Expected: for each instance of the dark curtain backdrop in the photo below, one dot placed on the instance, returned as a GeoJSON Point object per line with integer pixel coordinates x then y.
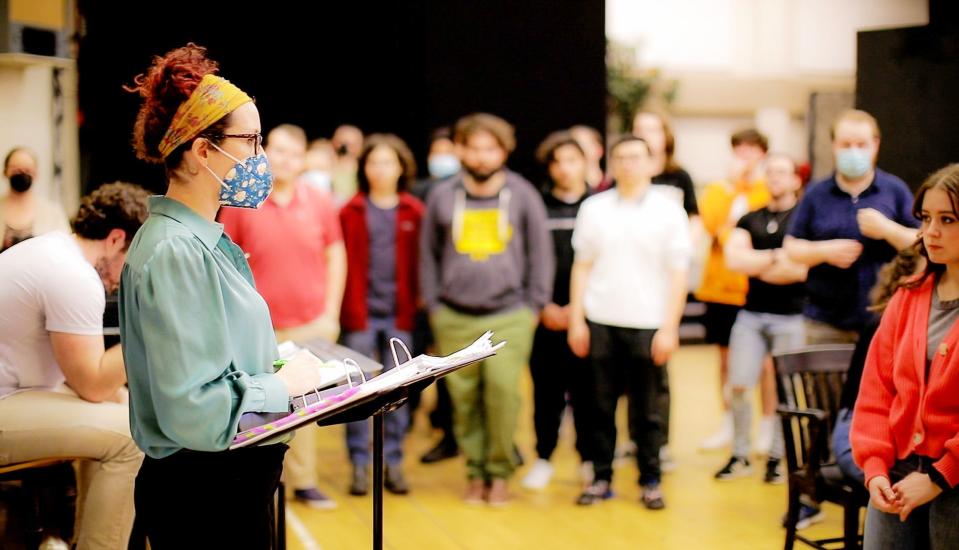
{"type": "Point", "coordinates": [402, 67]}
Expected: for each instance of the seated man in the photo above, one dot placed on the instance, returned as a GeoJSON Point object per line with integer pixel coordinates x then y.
{"type": "Point", "coordinates": [51, 332]}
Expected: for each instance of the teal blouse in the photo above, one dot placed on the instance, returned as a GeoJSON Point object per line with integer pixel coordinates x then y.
{"type": "Point", "coordinates": [197, 338]}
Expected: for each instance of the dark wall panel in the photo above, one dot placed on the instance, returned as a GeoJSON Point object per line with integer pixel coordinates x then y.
{"type": "Point", "coordinates": [908, 79]}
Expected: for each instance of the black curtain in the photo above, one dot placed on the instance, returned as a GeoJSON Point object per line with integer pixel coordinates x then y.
{"type": "Point", "coordinates": [403, 67]}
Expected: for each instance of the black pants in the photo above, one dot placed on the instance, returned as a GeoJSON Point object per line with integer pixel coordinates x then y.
{"type": "Point", "coordinates": [556, 371]}
{"type": "Point", "coordinates": [621, 361]}
{"type": "Point", "coordinates": [209, 500]}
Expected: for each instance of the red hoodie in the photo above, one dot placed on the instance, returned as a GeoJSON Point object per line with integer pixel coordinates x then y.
{"type": "Point", "coordinates": [900, 410]}
{"type": "Point", "coordinates": [353, 314]}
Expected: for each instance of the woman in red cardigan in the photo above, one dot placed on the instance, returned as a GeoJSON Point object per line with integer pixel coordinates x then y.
{"type": "Point", "coordinates": [381, 226]}
{"type": "Point", "coordinates": [905, 428]}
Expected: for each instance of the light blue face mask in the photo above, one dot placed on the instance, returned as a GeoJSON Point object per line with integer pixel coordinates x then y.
{"type": "Point", "coordinates": [247, 184]}
{"type": "Point", "coordinates": [854, 162]}
{"type": "Point", "coordinates": [443, 165]}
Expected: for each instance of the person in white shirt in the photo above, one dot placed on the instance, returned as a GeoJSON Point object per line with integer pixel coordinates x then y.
{"type": "Point", "coordinates": [61, 393]}
{"type": "Point", "coordinates": [628, 288]}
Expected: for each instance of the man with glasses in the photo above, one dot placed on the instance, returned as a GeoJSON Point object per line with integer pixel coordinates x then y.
{"type": "Point", "coordinates": [632, 237]}
{"type": "Point", "coordinates": [296, 252]}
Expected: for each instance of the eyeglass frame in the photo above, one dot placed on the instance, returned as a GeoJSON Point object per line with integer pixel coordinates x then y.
{"type": "Point", "coordinates": [257, 146]}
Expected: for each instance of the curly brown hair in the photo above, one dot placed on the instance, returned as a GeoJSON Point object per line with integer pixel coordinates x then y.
{"type": "Point", "coordinates": [112, 206]}
{"type": "Point", "coordinates": [165, 85]}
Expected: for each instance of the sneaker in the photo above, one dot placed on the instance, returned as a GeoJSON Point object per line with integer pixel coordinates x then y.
{"type": "Point", "coordinates": [53, 543]}
{"type": "Point", "coordinates": [475, 492]}
{"type": "Point", "coordinates": [652, 497]}
{"type": "Point", "coordinates": [498, 494]}
{"type": "Point", "coordinates": [446, 448]}
{"type": "Point", "coordinates": [313, 498]}
{"type": "Point", "coordinates": [586, 473]}
{"type": "Point", "coordinates": [808, 515]}
{"type": "Point", "coordinates": [736, 467]}
{"type": "Point", "coordinates": [539, 475]}
{"type": "Point", "coordinates": [595, 492]}
{"type": "Point", "coordinates": [395, 482]}
{"type": "Point", "coordinates": [774, 472]}
{"type": "Point", "coordinates": [722, 438]}
{"type": "Point", "coordinates": [666, 462]}
{"type": "Point", "coordinates": [764, 439]}
{"type": "Point", "coordinates": [360, 485]}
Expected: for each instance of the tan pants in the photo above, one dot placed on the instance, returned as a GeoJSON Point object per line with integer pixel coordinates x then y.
{"type": "Point", "coordinates": [299, 466]}
{"type": "Point", "coordinates": [44, 424]}
{"type": "Point", "coordinates": [818, 332]}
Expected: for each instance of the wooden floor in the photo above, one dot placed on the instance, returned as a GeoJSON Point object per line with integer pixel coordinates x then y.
{"type": "Point", "coordinates": [700, 512]}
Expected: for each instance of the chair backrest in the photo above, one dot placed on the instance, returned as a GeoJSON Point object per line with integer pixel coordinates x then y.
{"type": "Point", "coordinates": [810, 379]}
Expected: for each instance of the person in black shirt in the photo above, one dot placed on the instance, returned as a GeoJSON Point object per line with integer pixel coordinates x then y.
{"type": "Point", "coordinates": [554, 368]}
{"type": "Point", "coordinates": [654, 128]}
{"type": "Point", "coordinates": [772, 316]}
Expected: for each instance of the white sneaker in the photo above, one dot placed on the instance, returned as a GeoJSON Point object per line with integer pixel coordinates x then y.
{"type": "Point", "coordinates": [722, 438]}
{"type": "Point", "coordinates": [586, 473]}
{"type": "Point", "coordinates": [53, 543]}
{"type": "Point", "coordinates": [539, 475]}
{"type": "Point", "coordinates": [764, 439]}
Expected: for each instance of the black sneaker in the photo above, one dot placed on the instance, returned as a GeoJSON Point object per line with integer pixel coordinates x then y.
{"type": "Point", "coordinates": [774, 472]}
{"type": "Point", "coordinates": [446, 448]}
{"type": "Point", "coordinates": [653, 497]}
{"type": "Point", "coordinates": [595, 492]}
{"type": "Point", "coordinates": [736, 467]}
{"type": "Point", "coordinates": [395, 482]}
{"type": "Point", "coordinates": [361, 481]}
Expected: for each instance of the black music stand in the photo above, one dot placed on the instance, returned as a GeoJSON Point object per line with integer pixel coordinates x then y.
{"type": "Point", "coordinates": [377, 405]}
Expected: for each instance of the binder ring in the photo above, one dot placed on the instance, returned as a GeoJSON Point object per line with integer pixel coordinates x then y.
{"type": "Point", "coordinates": [351, 363]}
{"type": "Point", "coordinates": [396, 361]}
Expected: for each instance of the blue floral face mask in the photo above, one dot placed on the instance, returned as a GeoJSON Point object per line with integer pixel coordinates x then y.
{"type": "Point", "coordinates": [247, 184]}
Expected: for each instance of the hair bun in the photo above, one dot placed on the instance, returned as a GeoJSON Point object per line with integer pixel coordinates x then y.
{"type": "Point", "coordinates": [165, 85]}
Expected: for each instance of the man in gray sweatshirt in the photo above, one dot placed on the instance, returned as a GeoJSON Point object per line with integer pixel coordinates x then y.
{"type": "Point", "coordinates": [486, 263]}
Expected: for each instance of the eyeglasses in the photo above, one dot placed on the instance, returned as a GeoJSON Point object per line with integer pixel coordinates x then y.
{"type": "Point", "coordinates": [255, 139]}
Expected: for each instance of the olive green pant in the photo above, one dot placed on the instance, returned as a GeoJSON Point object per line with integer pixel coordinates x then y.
{"type": "Point", "coordinates": [486, 398]}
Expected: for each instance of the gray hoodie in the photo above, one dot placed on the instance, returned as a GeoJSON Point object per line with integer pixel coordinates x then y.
{"type": "Point", "coordinates": [478, 260]}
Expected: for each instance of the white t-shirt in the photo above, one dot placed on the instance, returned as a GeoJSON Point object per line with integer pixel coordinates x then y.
{"type": "Point", "coordinates": [634, 245]}
{"type": "Point", "coordinates": [45, 285]}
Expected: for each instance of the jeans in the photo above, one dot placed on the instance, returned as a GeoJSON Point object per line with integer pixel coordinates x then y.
{"type": "Point", "coordinates": [374, 342]}
{"type": "Point", "coordinates": [842, 448]}
{"type": "Point", "coordinates": [755, 336]}
{"type": "Point", "coordinates": [931, 526]}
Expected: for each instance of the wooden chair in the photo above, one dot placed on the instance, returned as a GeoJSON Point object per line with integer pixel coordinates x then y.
{"type": "Point", "coordinates": [809, 382]}
{"type": "Point", "coordinates": [33, 475]}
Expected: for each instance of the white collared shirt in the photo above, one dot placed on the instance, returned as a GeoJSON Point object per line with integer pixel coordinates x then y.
{"type": "Point", "coordinates": [635, 245]}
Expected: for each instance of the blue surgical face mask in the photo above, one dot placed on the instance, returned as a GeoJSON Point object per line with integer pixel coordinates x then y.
{"type": "Point", "coordinates": [443, 165]}
{"type": "Point", "coordinates": [854, 162]}
{"type": "Point", "coordinates": [247, 184]}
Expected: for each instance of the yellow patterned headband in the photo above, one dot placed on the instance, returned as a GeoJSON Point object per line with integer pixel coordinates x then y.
{"type": "Point", "coordinates": [213, 99]}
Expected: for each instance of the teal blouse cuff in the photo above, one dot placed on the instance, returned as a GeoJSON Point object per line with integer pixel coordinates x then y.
{"type": "Point", "coordinates": [268, 394]}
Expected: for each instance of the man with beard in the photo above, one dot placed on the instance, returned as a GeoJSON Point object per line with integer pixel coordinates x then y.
{"type": "Point", "coordinates": [486, 263]}
{"type": "Point", "coordinates": [61, 393]}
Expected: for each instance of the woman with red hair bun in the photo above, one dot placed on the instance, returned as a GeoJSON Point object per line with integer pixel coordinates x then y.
{"type": "Point", "coordinates": [198, 342]}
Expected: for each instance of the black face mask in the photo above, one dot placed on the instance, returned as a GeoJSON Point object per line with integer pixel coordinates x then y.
{"type": "Point", "coordinates": [21, 182]}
